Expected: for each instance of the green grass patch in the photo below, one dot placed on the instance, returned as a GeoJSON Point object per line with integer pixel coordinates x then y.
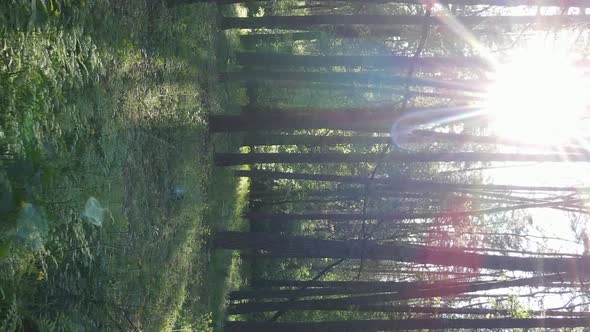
{"type": "Point", "coordinates": [106, 101]}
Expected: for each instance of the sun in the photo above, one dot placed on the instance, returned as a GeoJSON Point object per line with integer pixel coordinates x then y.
{"type": "Point", "coordinates": [539, 96]}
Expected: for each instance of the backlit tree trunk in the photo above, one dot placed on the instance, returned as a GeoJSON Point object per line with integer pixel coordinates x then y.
{"type": "Point", "coordinates": [310, 21]}
{"type": "Point", "coordinates": [394, 216]}
{"type": "Point", "coordinates": [400, 184]}
{"type": "Point", "coordinates": [370, 61]}
{"type": "Point", "coordinates": [274, 245]}
{"type": "Point", "coordinates": [232, 159]}
{"type": "Point", "coordinates": [278, 37]}
{"type": "Point", "coordinates": [406, 324]}
{"type": "Point", "coordinates": [352, 78]}
{"type": "Point", "coordinates": [374, 118]}
{"type": "Point", "coordinates": [506, 3]}
{"type": "Point", "coordinates": [411, 289]}
{"type": "Point", "coordinates": [313, 140]}
{"type": "Point", "coordinates": [349, 303]}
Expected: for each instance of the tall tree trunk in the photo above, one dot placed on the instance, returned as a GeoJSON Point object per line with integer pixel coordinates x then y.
{"type": "Point", "coordinates": [282, 119]}
{"type": "Point", "coordinates": [310, 21]}
{"type": "Point", "coordinates": [257, 283]}
{"type": "Point", "coordinates": [401, 184]}
{"type": "Point", "coordinates": [417, 136]}
{"type": "Point", "coordinates": [313, 140]}
{"type": "Point", "coordinates": [352, 78]}
{"type": "Point", "coordinates": [460, 311]}
{"type": "Point", "coordinates": [309, 201]}
{"type": "Point", "coordinates": [348, 88]}
{"type": "Point", "coordinates": [350, 303]}
{"type": "Point", "coordinates": [274, 245]}
{"type": "Point", "coordinates": [503, 3]}
{"type": "Point", "coordinates": [253, 39]}
{"type": "Point", "coordinates": [364, 32]}
{"type": "Point", "coordinates": [346, 288]}
{"type": "Point", "coordinates": [396, 216]}
{"type": "Point", "coordinates": [353, 193]}
{"type": "Point", "coordinates": [233, 159]}
{"type": "Point", "coordinates": [376, 118]}
{"type": "Point", "coordinates": [407, 324]}
{"type": "Point", "coordinates": [371, 61]}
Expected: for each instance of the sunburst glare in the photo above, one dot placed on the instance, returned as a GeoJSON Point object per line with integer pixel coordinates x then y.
{"type": "Point", "coordinates": [540, 95]}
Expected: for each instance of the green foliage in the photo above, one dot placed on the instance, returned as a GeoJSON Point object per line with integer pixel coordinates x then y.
{"type": "Point", "coordinates": [204, 323]}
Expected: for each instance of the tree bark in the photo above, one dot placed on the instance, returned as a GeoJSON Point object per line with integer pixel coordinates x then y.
{"type": "Point", "coordinates": [500, 3]}
{"type": "Point", "coordinates": [367, 33]}
{"type": "Point", "coordinates": [345, 288]}
{"type": "Point", "coordinates": [351, 89]}
{"type": "Point", "coordinates": [253, 39]}
{"type": "Point", "coordinates": [351, 193]}
{"type": "Point", "coordinates": [406, 324]}
{"type": "Point", "coordinates": [416, 136]}
{"type": "Point", "coordinates": [313, 140]}
{"type": "Point", "coordinates": [460, 311]}
{"type": "Point", "coordinates": [397, 216]}
{"type": "Point", "coordinates": [349, 303]}
{"type": "Point", "coordinates": [234, 159]}
{"type": "Point", "coordinates": [274, 245]}
{"type": "Point", "coordinates": [374, 118]}
{"type": "Point", "coordinates": [352, 78]}
{"type": "Point", "coordinates": [310, 21]}
{"type": "Point", "coordinates": [399, 184]}
{"type": "Point", "coordinates": [284, 119]}
{"type": "Point", "coordinates": [370, 61]}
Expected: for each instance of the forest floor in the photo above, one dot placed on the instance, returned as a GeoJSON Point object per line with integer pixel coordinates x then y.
{"type": "Point", "coordinates": [107, 189]}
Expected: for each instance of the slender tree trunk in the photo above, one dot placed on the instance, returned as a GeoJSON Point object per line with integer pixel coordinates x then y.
{"type": "Point", "coordinates": [310, 21]}
{"type": "Point", "coordinates": [310, 6]}
{"type": "Point", "coordinates": [309, 201]}
{"type": "Point", "coordinates": [331, 283]}
{"type": "Point", "coordinates": [313, 140]}
{"type": "Point", "coordinates": [343, 32]}
{"type": "Point", "coordinates": [504, 3]}
{"type": "Point", "coordinates": [249, 41]}
{"type": "Point", "coordinates": [352, 78]}
{"type": "Point", "coordinates": [397, 216]}
{"type": "Point", "coordinates": [346, 288]}
{"type": "Point", "coordinates": [274, 245]}
{"type": "Point", "coordinates": [349, 303]}
{"type": "Point", "coordinates": [379, 118]}
{"type": "Point", "coordinates": [364, 32]}
{"type": "Point", "coordinates": [460, 311]}
{"type": "Point", "coordinates": [417, 136]}
{"type": "Point", "coordinates": [371, 61]}
{"type": "Point", "coordinates": [400, 184]}
{"type": "Point", "coordinates": [368, 120]}
{"type": "Point", "coordinates": [348, 89]}
{"type": "Point", "coordinates": [353, 193]}
{"type": "Point", "coordinates": [403, 198]}
{"type": "Point", "coordinates": [233, 159]}
{"type": "Point", "coordinates": [407, 324]}
{"type": "Point", "coordinates": [283, 119]}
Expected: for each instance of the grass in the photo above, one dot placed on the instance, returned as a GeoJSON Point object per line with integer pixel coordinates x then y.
{"type": "Point", "coordinates": [108, 99]}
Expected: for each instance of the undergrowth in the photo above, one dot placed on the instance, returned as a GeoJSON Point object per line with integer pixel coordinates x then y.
{"type": "Point", "coordinates": [105, 171]}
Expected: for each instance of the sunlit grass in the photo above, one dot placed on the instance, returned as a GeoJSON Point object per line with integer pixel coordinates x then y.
{"type": "Point", "coordinates": [117, 114]}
